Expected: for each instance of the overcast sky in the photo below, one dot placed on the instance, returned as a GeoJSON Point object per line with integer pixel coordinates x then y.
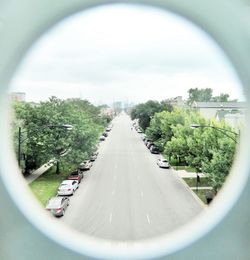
{"type": "Point", "coordinates": [122, 52]}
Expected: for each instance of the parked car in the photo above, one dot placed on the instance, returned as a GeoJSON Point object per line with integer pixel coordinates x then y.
{"type": "Point", "coordinates": [139, 131]}
{"type": "Point", "coordinates": [57, 205]}
{"type": "Point", "coordinates": [105, 134]}
{"type": "Point", "coordinates": [108, 129]}
{"type": "Point", "coordinates": [102, 138]}
{"type": "Point", "coordinates": [147, 140]}
{"type": "Point", "coordinates": [163, 163]}
{"type": "Point", "coordinates": [76, 175]}
{"type": "Point", "coordinates": [149, 144]}
{"type": "Point", "coordinates": [67, 187]}
{"type": "Point", "coordinates": [86, 165]}
{"type": "Point", "coordinates": [154, 149]}
{"type": "Point", "coordinates": [93, 156]}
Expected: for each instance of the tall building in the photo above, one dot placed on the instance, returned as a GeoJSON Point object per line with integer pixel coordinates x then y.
{"type": "Point", "coordinates": [17, 96]}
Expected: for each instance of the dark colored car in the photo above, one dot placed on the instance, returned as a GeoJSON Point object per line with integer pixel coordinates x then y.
{"type": "Point", "coordinates": [154, 149]}
{"type": "Point", "coordinates": [105, 134]}
{"type": "Point", "coordinates": [58, 205]}
{"type": "Point", "coordinates": [147, 140]}
{"type": "Point", "coordinates": [76, 175]}
{"type": "Point", "coordinates": [149, 144]}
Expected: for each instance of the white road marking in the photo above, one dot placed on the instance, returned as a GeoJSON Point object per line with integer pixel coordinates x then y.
{"type": "Point", "coordinates": [110, 217]}
{"type": "Point", "coordinates": [148, 219]}
{"type": "Point", "coordinates": [116, 166]}
{"type": "Point", "coordinates": [142, 194]}
{"type": "Point", "coordinates": [113, 193]}
{"type": "Point", "coordinates": [114, 177]}
{"type": "Point", "coordinates": [138, 178]}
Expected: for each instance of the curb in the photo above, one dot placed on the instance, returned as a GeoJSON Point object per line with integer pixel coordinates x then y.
{"type": "Point", "coordinates": [192, 192]}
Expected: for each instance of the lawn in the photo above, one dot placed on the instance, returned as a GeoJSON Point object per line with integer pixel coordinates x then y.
{"type": "Point", "coordinates": [46, 185]}
{"type": "Point", "coordinates": [191, 182]}
{"type": "Point", "coordinates": [202, 195]}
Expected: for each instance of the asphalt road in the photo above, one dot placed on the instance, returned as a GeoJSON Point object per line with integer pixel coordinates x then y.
{"type": "Point", "coordinates": [125, 195]}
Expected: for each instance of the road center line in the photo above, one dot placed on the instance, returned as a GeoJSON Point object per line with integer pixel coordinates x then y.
{"type": "Point", "coordinates": [148, 219]}
{"type": "Point", "coordinates": [110, 217]}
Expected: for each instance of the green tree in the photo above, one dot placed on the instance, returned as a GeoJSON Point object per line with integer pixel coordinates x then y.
{"type": "Point", "coordinates": [145, 111]}
{"type": "Point", "coordinates": [160, 129]}
{"type": "Point", "coordinates": [199, 95]}
{"type": "Point", "coordinates": [205, 149]}
{"type": "Point", "coordinates": [43, 139]}
{"type": "Point", "coordinates": [221, 98]}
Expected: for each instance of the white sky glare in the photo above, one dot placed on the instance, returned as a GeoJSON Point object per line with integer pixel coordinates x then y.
{"type": "Point", "coordinates": [122, 52]}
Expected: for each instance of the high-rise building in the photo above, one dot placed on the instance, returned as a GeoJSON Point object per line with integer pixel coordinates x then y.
{"type": "Point", "coordinates": [18, 96]}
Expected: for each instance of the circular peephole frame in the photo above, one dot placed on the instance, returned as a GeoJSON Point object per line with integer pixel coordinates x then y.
{"type": "Point", "coordinates": [215, 18]}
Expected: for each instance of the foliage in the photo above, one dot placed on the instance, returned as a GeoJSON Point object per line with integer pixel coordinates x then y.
{"type": "Point", "coordinates": [43, 134]}
{"type": "Point", "coordinates": [199, 95]}
{"type": "Point", "coordinates": [145, 111]}
{"type": "Point", "coordinates": [206, 95]}
{"type": "Point", "coordinates": [47, 184]}
{"type": "Point", "coordinates": [206, 149]}
{"type": "Point", "coordinates": [219, 166]}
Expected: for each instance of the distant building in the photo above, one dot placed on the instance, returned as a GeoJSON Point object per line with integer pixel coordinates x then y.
{"type": "Point", "coordinates": [18, 96]}
{"type": "Point", "coordinates": [235, 120]}
{"type": "Point", "coordinates": [107, 111]}
{"type": "Point", "coordinates": [177, 101]}
{"type": "Point", "coordinates": [232, 112]}
{"type": "Point", "coordinates": [219, 109]}
{"type": "Point", "coordinates": [117, 107]}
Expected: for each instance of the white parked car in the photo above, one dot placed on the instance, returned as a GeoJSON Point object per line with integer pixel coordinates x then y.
{"type": "Point", "coordinates": [102, 138]}
{"type": "Point", "coordinates": [67, 187]}
{"type": "Point", "coordinates": [163, 163]}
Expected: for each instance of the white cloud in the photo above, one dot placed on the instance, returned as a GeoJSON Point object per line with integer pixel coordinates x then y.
{"type": "Point", "coordinates": [121, 52]}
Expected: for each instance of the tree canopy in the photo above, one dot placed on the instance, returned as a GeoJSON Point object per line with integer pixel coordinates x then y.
{"type": "Point", "coordinates": [145, 111]}
{"type": "Point", "coordinates": [43, 134]}
{"type": "Point", "coordinates": [206, 95]}
{"type": "Point", "coordinates": [208, 149]}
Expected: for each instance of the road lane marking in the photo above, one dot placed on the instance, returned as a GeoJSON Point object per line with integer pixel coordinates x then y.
{"type": "Point", "coordinates": [114, 177]}
{"type": "Point", "coordinates": [116, 166]}
{"type": "Point", "coordinates": [148, 219]}
{"type": "Point", "coordinates": [110, 217]}
{"type": "Point", "coordinates": [113, 193]}
{"type": "Point", "coordinates": [142, 194]}
{"type": "Point", "coordinates": [138, 178]}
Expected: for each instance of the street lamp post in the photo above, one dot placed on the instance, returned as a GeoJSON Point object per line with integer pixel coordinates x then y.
{"type": "Point", "coordinates": [20, 132]}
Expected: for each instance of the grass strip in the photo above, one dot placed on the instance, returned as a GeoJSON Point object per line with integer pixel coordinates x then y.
{"type": "Point", "coordinates": [191, 182]}
{"type": "Point", "coordinates": [47, 184]}
{"type": "Point", "coordinates": [202, 195]}
{"type": "Point", "coordinates": [186, 168]}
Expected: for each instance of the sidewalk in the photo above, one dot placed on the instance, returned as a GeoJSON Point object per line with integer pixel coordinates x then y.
{"type": "Point", "coordinates": [38, 172]}
{"type": "Point", "coordinates": [185, 174]}
{"type": "Point", "coordinates": [201, 188]}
